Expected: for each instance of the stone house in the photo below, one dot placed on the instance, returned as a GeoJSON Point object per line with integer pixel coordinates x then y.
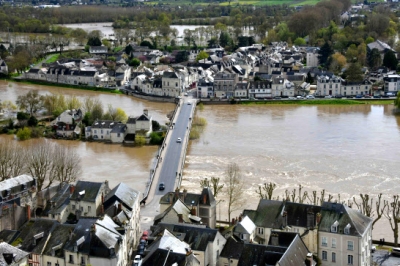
{"type": "Point", "coordinates": [345, 236]}
{"type": "Point", "coordinates": [172, 84]}
{"type": "Point", "coordinates": [100, 130]}
{"type": "Point", "coordinates": [312, 56]}
{"type": "Point", "coordinates": [3, 67]}
{"type": "Point", "coordinates": [355, 88]}
{"type": "Point", "coordinates": [245, 230]}
{"type": "Point", "coordinates": [205, 243]}
{"type": "Point", "coordinates": [205, 88]}
{"type": "Point", "coordinates": [260, 89]}
{"type": "Point", "coordinates": [282, 87]}
{"type": "Point", "coordinates": [224, 84]}
{"type": "Point", "coordinates": [178, 212]}
{"type": "Point", "coordinates": [203, 203]}
{"type": "Point", "coordinates": [98, 50]}
{"type": "Point", "coordinates": [22, 187]}
{"type": "Point", "coordinates": [391, 83]}
{"type": "Point", "coordinates": [122, 205]}
{"type": "Point", "coordinates": [67, 124]}
{"type": "Point", "coordinates": [118, 132]}
{"type": "Point", "coordinates": [241, 90]}
{"type": "Point", "coordinates": [57, 206]}
{"type": "Point", "coordinates": [87, 198]}
{"type": "Point", "coordinates": [96, 242]}
{"type": "Point", "coordinates": [328, 84]}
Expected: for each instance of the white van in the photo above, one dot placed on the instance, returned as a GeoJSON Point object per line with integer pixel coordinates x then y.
{"type": "Point", "coordinates": [390, 94]}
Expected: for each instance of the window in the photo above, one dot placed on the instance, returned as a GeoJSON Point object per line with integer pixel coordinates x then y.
{"type": "Point", "coordinates": [57, 264]}
{"type": "Point", "coordinates": [30, 256]}
{"type": "Point", "coordinates": [324, 255]}
{"type": "Point", "coordinates": [81, 209]}
{"type": "Point", "coordinates": [324, 241]}
{"type": "Point", "coordinates": [48, 263]}
{"type": "Point", "coordinates": [89, 208]}
{"type": "Point", "coordinates": [71, 259]}
{"type": "Point", "coordinates": [73, 207]}
{"type": "Point", "coordinates": [83, 260]}
{"type": "Point", "coordinates": [217, 242]}
{"type": "Point", "coordinates": [350, 245]}
{"type": "Point", "coordinates": [261, 230]}
{"type": "Point", "coordinates": [347, 229]}
{"type": "Point", "coordinates": [333, 257]}
{"type": "Point", "coordinates": [101, 131]}
{"type": "Point", "coordinates": [217, 254]}
{"type": "Point", "coordinates": [350, 259]}
{"type": "Point", "coordinates": [334, 242]}
{"type": "Point", "coordinates": [95, 131]}
{"type": "Point", "coordinates": [334, 227]}
{"type": "Point", "coordinates": [118, 135]}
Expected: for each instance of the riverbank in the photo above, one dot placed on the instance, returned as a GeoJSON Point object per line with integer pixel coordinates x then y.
{"type": "Point", "coordinates": [302, 102]}
{"type": "Point", "coordinates": [51, 84]}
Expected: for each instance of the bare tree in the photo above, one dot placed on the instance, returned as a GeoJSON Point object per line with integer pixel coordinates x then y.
{"type": "Point", "coordinates": [392, 214]}
{"type": "Point", "coordinates": [39, 164]}
{"type": "Point", "coordinates": [234, 188]}
{"type": "Point", "coordinates": [214, 184]}
{"type": "Point", "coordinates": [31, 102]}
{"type": "Point", "coordinates": [266, 191]}
{"type": "Point", "coordinates": [66, 164]}
{"type": "Point", "coordinates": [366, 207]}
{"type": "Point", "coordinates": [12, 160]}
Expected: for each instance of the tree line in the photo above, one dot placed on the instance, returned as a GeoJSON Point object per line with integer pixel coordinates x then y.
{"type": "Point", "coordinates": [47, 162]}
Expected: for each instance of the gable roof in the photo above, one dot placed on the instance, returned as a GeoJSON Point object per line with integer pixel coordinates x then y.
{"type": "Point", "coordinates": [58, 239]}
{"type": "Point", "coordinates": [8, 236]}
{"type": "Point", "coordinates": [86, 191]}
{"type": "Point", "coordinates": [34, 234]}
{"type": "Point", "coordinates": [17, 254]}
{"type": "Point", "coordinates": [332, 212]}
{"type": "Point", "coordinates": [232, 249]}
{"type": "Point", "coordinates": [122, 193]}
{"type": "Point", "coordinates": [245, 226]}
{"type": "Point", "coordinates": [15, 181]}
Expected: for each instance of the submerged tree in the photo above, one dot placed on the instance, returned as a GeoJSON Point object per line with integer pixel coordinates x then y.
{"type": "Point", "coordinates": [234, 188]}
{"type": "Point", "coordinates": [392, 214]}
{"type": "Point", "coordinates": [366, 207]}
{"type": "Point", "coordinates": [266, 191]}
{"type": "Point", "coordinates": [213, 184]}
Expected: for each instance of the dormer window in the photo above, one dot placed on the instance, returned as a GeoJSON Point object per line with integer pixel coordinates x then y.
{"type": "Point", "coordinates": [347, 229]}
{"type": "Point", "coordinates": [334, 227]}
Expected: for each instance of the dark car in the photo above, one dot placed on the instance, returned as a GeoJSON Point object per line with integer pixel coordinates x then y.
{"type": "Point", "coordinates": [339, 96]}
{"type": "Point", "coordinates": [377, 96]}
{"type": "Point", "coordinates": [277, 97]}
{"type": "Point", "coordinates": [140, 250]}
{"type": "Point", "coordinates": [358, 96]}
{"type": "Point", "coordinates": [161, 186]}
{"type": "Point", "coordinates": [367, 96]}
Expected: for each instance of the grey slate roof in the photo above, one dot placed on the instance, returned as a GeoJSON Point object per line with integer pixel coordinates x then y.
{"type": "Point", "coordinates": [169, 75]}
{"type": "Point", "coordinates": [92, 189]}
{"type": "Point", "coordinates": [82, 229]}
{"type": "Point", "coordinates": [197, 237]}
{"type": "Point", "coordinates": [17, 253]}
{"type": "Point", "coordinates": [332, 212]}
{"type": "Point", "coordinates": [34, 234]}
{"type": "Point", "coordinates": [232, 249]}
{"type": "Point", "coordinates": [161, 257]}
{"type": "Point", "coordinates": [58, 239]}
{"type": "Point", "coordinates": [8, 236]}
{"type": "Point", "coordinates": [60, 199]}
{"type": "Point", "coordinates": [122, 193]}
{"type": "Point", "coordinates": [103, 124]}
{"type": "Point", "coordinates": [118, 128]}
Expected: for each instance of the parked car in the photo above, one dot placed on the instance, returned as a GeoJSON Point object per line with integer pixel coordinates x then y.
{"type": "Point", "coordinates": [377, 96]}
{"type": "Point", "coordinates": [395, 252]}
{"type": "Point", "coordinates": [367, 96]}
{"type": "Point", "coordinates": [140, 250]}
{"type": "Point", "coordinates": [189, 103]}
{"type": "Point", "coordinates": [145, 234]}
{"type": "Point", "coordinates": [328, 97]}
{"type": "Point", "coordinates": [339, 96]}
{"type": "Point", "coordinates": [185, 94]}
{"type": "Point", "coordinates": [277, 97]}
{"type": "Point", "coordinates": [310, 97]}
{"type": "Point", "coordinates": [161, 186]}
{"type": "Point", "coordinates": [292, 98]}
{"type": "Point", "coordinates": [137, 261]}
{"type": "Point", "coordinates": [358, 96]}
{"type": "Point", "coordinates": [179, 140]}
{"type": "Point", "coordinates": [299, 97]}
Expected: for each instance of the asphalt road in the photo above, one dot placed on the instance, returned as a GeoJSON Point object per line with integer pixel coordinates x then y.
{"type": "Point", "coordinates": [174, 151]}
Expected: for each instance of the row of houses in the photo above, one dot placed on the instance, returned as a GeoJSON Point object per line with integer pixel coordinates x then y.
{"type": "Point", "coordinates": [275, 233]}
{"type": "Point", "coordinates": [68, 124]}
{"type": "Point", "coordinates": [87, 223]}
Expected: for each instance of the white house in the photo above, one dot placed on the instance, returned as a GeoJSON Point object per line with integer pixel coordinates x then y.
{"type": "Point", "coordinates": [245, 230]}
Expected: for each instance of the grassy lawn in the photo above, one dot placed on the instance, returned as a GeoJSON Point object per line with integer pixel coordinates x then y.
{"type": "Point", "coordinates": [53, 58]}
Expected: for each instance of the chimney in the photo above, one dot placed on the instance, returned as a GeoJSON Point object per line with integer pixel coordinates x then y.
{"type": "Point", "coordinates": [274, 239]}
{"type": "Point", "coordinates": [184, 194]}
{"type": "Point", "coordinates": [102, 197]}
{"type": "Point", "coordinates": [309, 259]}
{"type": "Point", "coordinates": [193, 211]}
{"type": "Point", "coordinates": [146, 112]}
{"type": "Point", "coordinates": [71, 189]}
{"type": "Point", "coordinates": [204, 199]}
{"type": "Point", "coordinates": [171, 198]}
{"type": "Point", "coordinates": [102, 209]}
{"type": "Point", "coordinates": [319, 216]}
{"type": "Point", "coordinates": [176, 194]}
{"type": "Point", "coordinates": [180, 218]}
{"type": "Point", "coordinates": [28, 212]}
{"type": "Point", "coordinates": [70, 234]}
{"type": "Point", "coordinates": [119, 207]}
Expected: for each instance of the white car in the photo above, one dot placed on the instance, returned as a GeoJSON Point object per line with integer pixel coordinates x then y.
{"type": "Point", "coordinates": [310, 97]}
{"type": "Point", "coordinates": [292, 98]}
{"type": "Point", "coordinates": [299, 97]}
{"type": "Point", "coordinates": [185, 94]}
{"type": "Point", "coordinates": [137, 261]}
{"type": "Point", "coordinates": [328, 96]}
{"type": "Point", "coordinates": [179, 140]}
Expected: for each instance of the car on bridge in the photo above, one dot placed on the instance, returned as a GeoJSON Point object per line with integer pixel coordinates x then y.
{"type": "Point", "coordinates": [161, 186]}
{"type": "Point", "coordinates": [179, 140]}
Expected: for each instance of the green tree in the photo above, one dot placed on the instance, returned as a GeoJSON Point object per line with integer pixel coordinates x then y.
{"type": "Point", "coordinates": [32, 121]}
{"type": "Point", "coordinates": [353, 73]}
{"type": "Point", "coordinates": [134, 62]}
{"type": "Point", "coordinates": [397, 101]}
{"type": "Point", "coordinates": [224, 39]}
{"type": "Point", "coordinates": [390, 60]}
{"type": "Point", "coordinates": [140, 140]}
{"type": "Point", "coordinates": [299, 41]}
{"type": "Point", "coordinates": [24, 133]}
{"type": "Point", "coordinates": [202, 55]}
{"type": "Point", "coordinates": [128, 49]}
{"type": "Point", "coordinates": [309, 78]}
{"type": "Point", "coordinates": [324, 53]}
{"type": "Point", "coordinates": [155, 125]}
{"type": "Point", "coordinates": [374, 58]}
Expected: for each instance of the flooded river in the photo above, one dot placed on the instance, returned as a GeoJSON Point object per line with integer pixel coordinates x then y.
{"type": "Point", "coordinates": [342, 149]}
